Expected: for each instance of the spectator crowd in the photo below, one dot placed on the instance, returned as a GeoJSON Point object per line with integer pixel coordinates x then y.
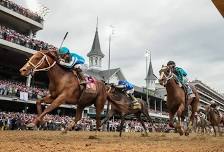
{"type": "Point", "coordinates": [21, 10]}
{"type": "Point", "coordinates": [19, 121]}
{"type": "Point", "coordinates": [20, 39]}
{"type": "Point", "coordinates": [14, 89]}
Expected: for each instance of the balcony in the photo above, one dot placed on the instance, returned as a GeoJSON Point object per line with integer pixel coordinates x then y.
{"type": "Point", "coordinates": [15, 47]}
{"type": "Point", "coordinates": [19, 22]}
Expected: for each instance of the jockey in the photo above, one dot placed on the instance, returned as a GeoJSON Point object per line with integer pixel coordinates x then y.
{"type": "Point", "coordinates": [72, 61]}
{"type": "Point", "coordinates": [215, 106]}
{"type": "Point", "coordinates": [181, 76]}
{"type": "Point", "coordinates": [129, 90]}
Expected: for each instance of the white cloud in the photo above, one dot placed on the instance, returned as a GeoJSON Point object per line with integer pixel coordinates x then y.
{"type": "Point", "coordinates": [188, 31]}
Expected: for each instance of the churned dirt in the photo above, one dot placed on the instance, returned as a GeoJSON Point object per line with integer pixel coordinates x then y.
{"type": "Point", "coordinates": [44, 141]}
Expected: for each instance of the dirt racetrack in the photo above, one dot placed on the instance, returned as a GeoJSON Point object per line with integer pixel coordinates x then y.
{"type": "Point", "coordinates": [44, 141]}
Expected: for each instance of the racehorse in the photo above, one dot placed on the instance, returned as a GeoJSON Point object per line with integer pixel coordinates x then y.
{"type": "Point", "coordinates": [120, 104]}
{"type": "Point", "coordinates": [201, 124]}
{"type": "Point", "coordinates": [176, 100]}
{"type": "Point", "coordinates": [64, 88]}
{"type": "Point", "coordinates": [214, 118]}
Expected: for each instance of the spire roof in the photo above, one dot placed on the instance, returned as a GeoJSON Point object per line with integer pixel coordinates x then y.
{"type": "Point", "coordinates": [96, 50]}
{"type": "Point", "coordinates": [150, 74]}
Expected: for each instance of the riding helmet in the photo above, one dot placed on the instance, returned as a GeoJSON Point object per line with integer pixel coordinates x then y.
{"type": "Point", "coordinates": [171, 63]}
{"type": "Point", "coordinates": [63, 50]}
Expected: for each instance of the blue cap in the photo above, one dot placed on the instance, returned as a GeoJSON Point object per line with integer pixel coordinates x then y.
{"type": "Point", "coordinates": [63, 50]}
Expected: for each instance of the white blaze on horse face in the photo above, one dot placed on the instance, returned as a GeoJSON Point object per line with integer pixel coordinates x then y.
{"type": "Point", "coordinates": [161, 75]}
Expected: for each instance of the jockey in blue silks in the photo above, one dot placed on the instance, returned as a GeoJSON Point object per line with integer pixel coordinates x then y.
{"type": "Point", "coordinates": [72, 61]}
{"type": "Point", "coordinates": [129, 90]}
{"type": "Point", "coordinates": [181, 75]}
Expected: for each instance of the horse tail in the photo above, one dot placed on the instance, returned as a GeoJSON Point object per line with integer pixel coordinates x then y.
{"type": "Point", "coordinates": [145, 110]}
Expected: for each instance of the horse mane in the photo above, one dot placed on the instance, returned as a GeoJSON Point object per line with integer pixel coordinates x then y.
{"type": "Point", "coordinates": [51, 53]}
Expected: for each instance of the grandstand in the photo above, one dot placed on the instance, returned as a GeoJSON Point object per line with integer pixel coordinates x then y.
{"type": "Point", "coordinates": [17, 43]}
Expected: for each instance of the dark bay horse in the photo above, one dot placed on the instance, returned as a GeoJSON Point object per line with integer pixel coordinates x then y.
{"type": "Point", "coordinates": [176, 99]}
{"type": "Point", "coordinates": [214, 118]}
{"type": "Point", "coordinates": [120, 104]}
{"type": "Point", "coordinates": [64, 88]}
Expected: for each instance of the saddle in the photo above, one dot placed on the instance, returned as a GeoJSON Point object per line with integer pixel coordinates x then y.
{"type": "Point", "coordinates": [90, 89]}
{"type": "Point", "coordinates": [90, 84]}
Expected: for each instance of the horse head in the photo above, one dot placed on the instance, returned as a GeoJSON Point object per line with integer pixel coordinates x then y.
{"type": "Point", "coordinates": [39, 61]}
{"type": "Point", "coordinates": [165, 75]}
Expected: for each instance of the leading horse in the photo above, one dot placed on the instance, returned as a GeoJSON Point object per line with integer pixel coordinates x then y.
{"type": "Point", "coordinates": [176, 99]}
{"type": "Point", "coordinates": [64, 88]}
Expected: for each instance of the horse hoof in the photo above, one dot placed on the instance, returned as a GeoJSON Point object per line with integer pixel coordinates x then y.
{"type": "Point", "coordinates": [186, 133]}
{"type": "Point", "coordinates": [181, 132]}
{"type": "Point", "coordinates": [31, 125]}
{"type": "Point", "coordinates": [64, 132]}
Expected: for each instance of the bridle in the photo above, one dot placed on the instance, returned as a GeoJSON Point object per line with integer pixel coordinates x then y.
{"type": "Point", "coordinates": [167, 77]}
{"type": "Point", "coordinates": [44, 58]}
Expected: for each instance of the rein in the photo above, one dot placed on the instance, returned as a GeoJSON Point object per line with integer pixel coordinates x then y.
{"type": "Point", "coordinates": [44, 58]}
{"type": "Point", "coordinates": [170, 76]}
{"type": "Point", "coordinates": [109, 90]}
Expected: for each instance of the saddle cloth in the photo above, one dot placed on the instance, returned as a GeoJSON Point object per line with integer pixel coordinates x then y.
{"type": "Point", "coordinates": [90, 84]}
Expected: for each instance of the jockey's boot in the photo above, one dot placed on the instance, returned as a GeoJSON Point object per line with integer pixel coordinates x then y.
{"type": "Point", "coordinates": [135, 104]}
{"type": "Point", "coordinates": [81, 76]}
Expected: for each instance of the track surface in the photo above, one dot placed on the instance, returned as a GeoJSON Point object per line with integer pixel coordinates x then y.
{"type": "Point", "coordinates": [44, 141]}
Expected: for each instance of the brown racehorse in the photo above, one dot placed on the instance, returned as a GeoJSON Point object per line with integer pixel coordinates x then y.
{"type": "Point", "coordinates": [176, 99]}
{"type": "Point", "coordinates": [214, 118]}
{"type": "Point", "coordinates": [64, 88]}
{"type": "Point", "coordinates": [120, 104]}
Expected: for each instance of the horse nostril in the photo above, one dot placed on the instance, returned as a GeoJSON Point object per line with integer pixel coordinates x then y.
{"type": "Point", "coordinates": [22, 70]}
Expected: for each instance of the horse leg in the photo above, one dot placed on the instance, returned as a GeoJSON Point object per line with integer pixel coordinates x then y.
{"type": "Point", "coordinates": [220, 133]}
{"type": "Point", "coordinates": [179, 115]}
{"type": "Point", "coordinates": [214, 129]}
{"type": "Point", "coordinates": [56, 103]}
{"type": "Point", "coordinates": [194, 108]}
{"type": "Point", "coordinates": [122, 123]}
{"type": "Point", "coordinates": [138, 115]}
{"type": "Point", "coordinates": [108, 116]}
{"type": "Point", "coordinates": [78, 116]}
{"type": "Point", "coordinates": [48, 99]}
{"type": "Point", "coordinates": [146, 114]}
{"type": "Point", "coordinates": [100, 101]}
{"type": "Point", "coordinates": [171, 115]}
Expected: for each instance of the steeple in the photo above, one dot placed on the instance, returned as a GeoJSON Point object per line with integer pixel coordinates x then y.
{"type": "Point", "coordinates": [150, 78]}
{"type": "Point", "coordinates": [95, 55]}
